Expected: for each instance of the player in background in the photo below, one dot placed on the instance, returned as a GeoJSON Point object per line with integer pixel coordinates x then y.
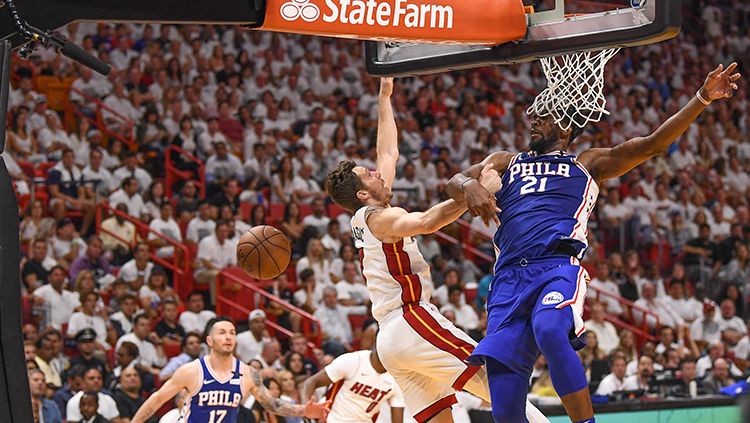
{"type": "Point", "coordinates": [217, 383]}
{"type": "Point", "coordinates": [419, 347]}
{"type": "Point", "coordinates": [538, 290]}
{"type": "Point", "coordinates": [359, 384]}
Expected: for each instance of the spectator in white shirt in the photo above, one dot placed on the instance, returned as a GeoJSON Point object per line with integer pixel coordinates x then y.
{"type": "Point", "coordinates": [332, 239]}
{"type": "Point", "coordinates": [126, 316]}
{"type": "Point", "coordinates": [683, 158]}
{"type": "Point", "coordinates": [706, 330]}
{"type": "Point", "coordinates": [641, 379]}
{"type": "Point", "coordinates": [250, 342]}
{"type": "Point", "coordinates": [728, 317]}
{"type": "Point", "coordinates": [128, 194]}
{"type": "Point", "coordinates": [614, 381]}
{"type": "Point", "coordinates": [201, 225]}
{"type": "Point", "coordinates": [87, 319]}
{"type": "Point", "coordinates": [318, 219]}
{"type": "Point", "coordinates": [166, 226]}
{"type": "Point", "coordinates": [138, 269]}
{"type": "Point", "coordinates": [53, 138]}
{"type": "Point", "coordinates": [603, 282]}
{"type": "Point", "coordinates": [605, 331]}
{"type": "Point", "coordinates": [215, 252]}
{"type": "Point", "coordinates": [93, 381]}
{"type": "Point", "coordinates": [150, 352]}
{"type": "Point", "coordinates": [466, 317]}
{"type": "Point", "coordinates": [334, 322]}
{"type": "Point", "coordinates": [194, 319]}
{"type": "Point", "coordinates": [315, 259]}
{"type": "Point", "coordinates": [409, 191]}
{"type": "Point", "coordinates": [648, 301]}
{"type": "Point", "coordinates": [60, 303]}
{"type": "Point", "coordinates": [122, 55]}
{"type": "Point", "coordinates": [208, 139]}
{"type": "Point", "coordinates": [688, 308]}
{"type": "Point", "coordinates": [130, 168]}
{"type": "Point", "coordinates": [120, 103]}
{"type": "Point", "coordinates": [97, 180]}
{"type": "Point", "coordinates": [351, 290]}
{"type": "Point", "coordinates": [304, 188]}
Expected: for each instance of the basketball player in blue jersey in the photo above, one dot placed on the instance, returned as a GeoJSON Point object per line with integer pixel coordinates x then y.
{"type": "Point", "coordinates": [538, 290]}
{"type": "Point", "coordinates": [217, 383]}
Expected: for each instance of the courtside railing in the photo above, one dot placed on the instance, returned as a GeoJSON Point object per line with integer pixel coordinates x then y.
{"type": "Point", "coordinates": [75, 111]}
{"type": "Point", "coordinates": [172, 174]}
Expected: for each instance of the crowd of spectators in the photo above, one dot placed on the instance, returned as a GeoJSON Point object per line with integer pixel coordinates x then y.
{"type": "Point", "coordinates": [270, 114]}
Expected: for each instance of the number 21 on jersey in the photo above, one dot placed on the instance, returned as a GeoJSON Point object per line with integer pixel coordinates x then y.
{"type": "Point", "coordinates": [531, 185]}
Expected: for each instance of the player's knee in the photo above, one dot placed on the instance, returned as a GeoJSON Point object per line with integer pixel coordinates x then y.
{"type": "Point", "coordinates": [550, 330]}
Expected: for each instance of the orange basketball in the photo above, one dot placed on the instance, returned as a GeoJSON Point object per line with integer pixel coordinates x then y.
{"type": "Point", "coordinates": [264, 252]}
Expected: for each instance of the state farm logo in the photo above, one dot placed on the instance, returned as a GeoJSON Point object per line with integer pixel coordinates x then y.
{"type": "Point", "coordinates": [372, 12]}
{"type": "Point", "coordinates": [295, 9]}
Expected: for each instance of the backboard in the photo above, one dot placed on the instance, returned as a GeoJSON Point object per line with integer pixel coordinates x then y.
{"type": "Point", "coordinates": [555, 27]}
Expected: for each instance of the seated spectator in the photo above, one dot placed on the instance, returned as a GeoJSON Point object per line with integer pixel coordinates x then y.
{"type": "Point", "coordinates": [641, 379]}
{"type": "Point", "coordinates": [208, 139]}
{"type": "Point", "coordinates": [191, 350]}
{"type": "Point", "coordinates": [310, 293]}
{"type": "Point", "coordinates": [668, 341]}
{"type": "Point", "coordinates": [66, 244]}
{"type": "Point", "coordinates": [229, 195]}
{"type": "Point", "coordinates": [53, 139]}
{"type": "Point", "coordinates": [87, 318]}
{"type": "Point", "coordinates": [319, 218]}
{"type": "Point", "coordinates": [719, 377]}
{"type": "Point", "coordinates": [706, 330]}
{"type": "Point", "coordinates": [126, 357]}
{"type": "Point", "coordinates": [35, 224]}
{"type": "Point", "coordinates": [293, 227]}
{"type": "Point", "coordinates": [123, 319]}
{"type": "Point", "coordinates": [298, 345]}
{"type": "Point", "coordinates": [88, 408]}
{"type": "Point", "coordinates": [35, 269]}
{"type": "Point", "coordinates": [92, 386]}
{"type": "Point", "coordinates": [201, 225]}
{"type": "Point", "coordinates": [67, 192]}
{"type": "Point", "coordinates": [334, 322]}
{"type": "Point", "coordinates": [728, 318]}
{"type": "Point", "coordinates": [97, 179]}
{"type": "Point", "coordinates": [701, 255]}
{"type": "Point", "coordinates": [168, 328]}
{"type": "Point", "coordinates": [44, 410]}
{"type": "Point", "coordinates": [250, 342]}
{"type": "Point", "coordinates": [281, 182]}
{"type": "Point", "coordinates": [128, 396]}
{"type": "Point", "coordinates": [732, 293]}
{"type": "Point", "coordinates": [87, 345]}
{"type": "Point", "coordinates": [215, 252]}
{"type": "Point", "coordinates": [605, 331]}
{"type": "Point", "coordinates": [93, 261]}
{"type": "Point", "coordinates": [737, 272]}
{"type": "Point", "coordinates": [156, 292]}
{"type": "Point", "coordinates": [627, 345]}
{"type": "Point", "coordinates": [223, 165]}
{"type": "Point", "coordinates": [688, 308]}
{"type": "Point", "coordinates": [194, 319]}
{"type": "Point", "coordinates": [351, 290]}
{"type": "Point", "coordinates": [165, 225]}
{"type": "Point", "coordinates": [151, 355]}
{"type": "Point", "coordinates": [128, 194]}
{"type": "Point", "coordinates": [138, 269]}
{"type": "Point", "coordinates": [408, 190]}
{"type": "Point", "coordinates": [187, 202]}
{"type": "Point", "coordinates": [347, 255]}
{"type": "Point", "coordinates": [440, 295]}
{"type": "Point", "coordinates": [466, 317]}
{"type": "Point", "coordinates": [73, 384]}
{"type": "Point", "coordinates": [46, 353]}
{"type": "Point", "coordinates": [614, 381]}
{"type": "Point", "coordinates": [705, 363]}
{"type": "Point", "coordinates": [688, 376]}
{"type": "Point", "coordinates": [59, 302]}
{"type": "Point", "coordinates": [270, 355]}
{"type": "Point", "coordinates": [130, 168]}
{"type": "Point", "coordinates": [604, 282]}
{"type": "Point", "coordinates": [116, 232]}
{"type": "Point", "coordinates": [648, 301]}
{"type": "Point", "coordinates": [155, 198]}
{"type": "Point", "coordinates": [332, 240]}
{"type": "Point", "coordinates": [304, 188]}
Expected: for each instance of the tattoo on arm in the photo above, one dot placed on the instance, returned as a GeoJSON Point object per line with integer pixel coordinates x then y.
{"type": "Point", "coordinates": [274, 405]}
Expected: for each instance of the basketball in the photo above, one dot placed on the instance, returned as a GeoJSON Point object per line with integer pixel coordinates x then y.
{"type": "Point", "coordinates": [264, 252]}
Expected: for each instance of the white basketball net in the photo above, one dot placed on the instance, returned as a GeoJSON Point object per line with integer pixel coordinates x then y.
{"type": "Point", "coordinates": [574, 88]}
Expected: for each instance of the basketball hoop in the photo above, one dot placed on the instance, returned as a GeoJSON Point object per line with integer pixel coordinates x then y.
{"type": "Point", "coordinates": [574, 88]}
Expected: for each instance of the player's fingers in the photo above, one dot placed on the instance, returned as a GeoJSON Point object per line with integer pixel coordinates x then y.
{"type": "Point", "coordinates": [487, 167]}
{"type": "Point", "coordinates": [716, 71]}
{"type": "Point", "coordinates": [734, 86]}
{"type": "Point", "coordinates": [735, 76]}
{"type": "Point", "coordinates": [731, 68]}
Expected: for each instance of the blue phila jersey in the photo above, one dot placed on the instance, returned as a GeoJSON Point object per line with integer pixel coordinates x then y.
{"type": "Point", "coordinates": [545, 201]}
{"type": "Point", "coordinates": [215, 401]}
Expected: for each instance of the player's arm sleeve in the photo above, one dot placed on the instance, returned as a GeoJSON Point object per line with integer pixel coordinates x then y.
{"type": "Point", "coordinates": [397, 398]}
{"type": "Point", "coordinates": [342, 367]}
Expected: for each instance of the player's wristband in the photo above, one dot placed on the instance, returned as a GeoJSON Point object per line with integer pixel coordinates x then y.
{"type": "Point", "coordinates": [701, 99]}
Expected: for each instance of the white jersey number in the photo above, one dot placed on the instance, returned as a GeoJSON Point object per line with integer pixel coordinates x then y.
{"type": "Point", "coordinates": [530, 185]}
{"type": "Point", "coordinates": [217, 416]}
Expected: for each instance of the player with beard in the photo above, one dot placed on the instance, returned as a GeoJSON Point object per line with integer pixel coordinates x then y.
{"type": "Point", "coordinates": [217, 383]}
{"type": "Point", "coordinates": [539, 287]}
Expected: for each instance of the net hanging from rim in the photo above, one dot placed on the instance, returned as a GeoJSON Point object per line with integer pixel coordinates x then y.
{"type": "Point", "coordinates": [575, 84]}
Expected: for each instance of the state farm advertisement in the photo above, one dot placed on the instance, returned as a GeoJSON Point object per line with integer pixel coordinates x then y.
{"type": "Point", "coordinates": [438, 21]}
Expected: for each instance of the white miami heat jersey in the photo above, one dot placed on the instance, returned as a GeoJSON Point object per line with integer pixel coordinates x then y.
{"type": "Point", "coordinates": [396, 274]}
{"type": "Point", "coordinates": [358, 390]}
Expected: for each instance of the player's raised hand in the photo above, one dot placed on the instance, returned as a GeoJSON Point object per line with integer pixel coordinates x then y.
{"type": "Point", "coordinates": [318, 411]}
{"type": "Point", "coordinates": [386, 86]}
{"type": "Point", "coordinates": [721, 83]}
{"type": "Point", "coordinates": [480, 200]}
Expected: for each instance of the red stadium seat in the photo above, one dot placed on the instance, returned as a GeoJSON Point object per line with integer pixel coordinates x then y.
{"type": "Point", "coordinates": [172, 350]}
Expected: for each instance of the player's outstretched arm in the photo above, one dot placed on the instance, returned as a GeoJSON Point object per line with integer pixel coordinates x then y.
{"type": "Point", "coordinates": [318, 380]}
{"type": "Point", "coordinates": [181, 379]}
{"type": "Point", "coordinates": [395, 222]}
{"type": "Point", "coordinates": [465, 187]}
{"type": "Point", "coordinates": [280, 407]}
{"type": "Point", "coordinates": [397, 414]}
{"type": "Point", "coordinates": [387, 144]}
{"type": "Point", "coordinates": [606, 163]}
